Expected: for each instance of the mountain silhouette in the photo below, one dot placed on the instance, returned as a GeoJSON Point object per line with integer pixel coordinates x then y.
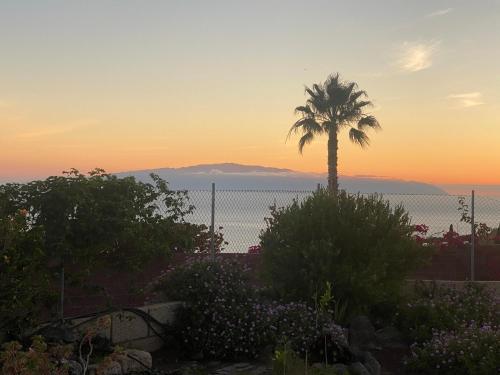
{"type": "Point", "coordinates": [255, 177]}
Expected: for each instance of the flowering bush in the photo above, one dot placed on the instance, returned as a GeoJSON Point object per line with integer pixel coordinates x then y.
{"type": "Point", "coordinates": [224, 317]}
{"type": "Point", "coordinates": [307, 330]}
{"type": "Point", "coordinates": [256, 249]}
{"type": "Point", "coordinates": [220, 318]}
{"type": "Point", "coordinates": [440, 308]}
{"type": "Point", "coordinates": [420, 232]}
{"type": "Point", "coordinates": [474, 350]}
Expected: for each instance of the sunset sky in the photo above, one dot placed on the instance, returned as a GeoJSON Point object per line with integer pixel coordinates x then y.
{"type": "Point", "coordinates": [127, 85]}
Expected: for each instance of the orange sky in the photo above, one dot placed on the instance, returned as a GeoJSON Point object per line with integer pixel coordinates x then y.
{"type": "Point", "coordinates": [141, 86]}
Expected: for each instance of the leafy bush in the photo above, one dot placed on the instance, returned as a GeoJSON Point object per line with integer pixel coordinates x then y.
{"type": "Point", "coordinates": [100, 218]}
{"type": "Point", "coordinates": [434, 307]}
{"type": "Point", "coordinates": [359, 244]}
{"type": "Point", "coordinates": [83, 222]}
{"type": "Point", "coordinates": [24, 285]}
{"type": "Point", "coordinates": [474, 350]}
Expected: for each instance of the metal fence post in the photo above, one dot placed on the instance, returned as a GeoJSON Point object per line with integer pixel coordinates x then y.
{"type": "Point", "coordinates": [318, 187]}
{"type": "Point", "coordinates": [61, 297]}
{"type": "Point", "coordinates": [472, 241]}
{"type": "Point", "coordinates": [212, 223]}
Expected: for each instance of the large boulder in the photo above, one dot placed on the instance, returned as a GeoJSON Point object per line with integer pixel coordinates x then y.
{"type": "Point", "coordinates": [340, 369]}
{"type": "Point", "coordinates": [74, 367]}
{"type": "Point", "coordinates": [371, 364]}
{"type": "Point", "coordinates": [362, 333]}
{"type": "Point", "coordinates": [135, 361]}
{"type": "Point", "coordinates": [367, 360]}
{"type": "Point", "coordinates": [357, 368]}
{"type": "Point", "coordinates": [390, 337]}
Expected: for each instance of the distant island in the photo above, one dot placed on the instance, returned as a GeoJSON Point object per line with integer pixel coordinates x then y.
{"type": "Point", "coordinates": [238, 176]}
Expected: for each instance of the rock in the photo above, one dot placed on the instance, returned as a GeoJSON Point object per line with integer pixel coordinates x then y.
{"type": "Point", "coordinates": [390, 337]}
{"type": "Point", "coordinates": [371, 364]}
{"type": "Point", "coordinates": [74, 368]}
{"type": "Point", "coordinates": [113, 368]}
{"type": "Point", "coordinates": [362, 333]}
{"type": "Point", "coordinates": [340, 369]}
{"type": "Point", "coordinates": [367, 359]}
{"type": "Point", "coordinates": [135, 360]}
{"type": "Point", "coordinates": [358, 369]}
{"type": "Point", "coordinates": [58, 333]}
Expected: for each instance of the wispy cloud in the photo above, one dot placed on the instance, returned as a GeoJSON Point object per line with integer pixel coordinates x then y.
{"type": "Point", "coordinates": [45, 132]}
{"type": "Point", "coordinates": [439, 13]}
{"type": "Point", "coordinates": [468, 99]}
{"type": "Point", "coordinates": [414, 57]}
{"type": "Point", "coordinates": [54, 130]}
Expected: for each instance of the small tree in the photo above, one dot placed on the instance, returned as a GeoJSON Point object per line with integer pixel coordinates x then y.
{"type": "Point", "coordinates": [100, 218]}
{"type": "Point", "coordinates": [83, 222]}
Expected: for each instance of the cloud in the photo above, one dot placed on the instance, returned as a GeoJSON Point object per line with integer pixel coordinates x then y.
{"type": "Point", "coordinates": [417, 56]}
{"type": "Point", "coordinates": [439, 13]}
{"type": "Point", "coordinates": [469, 99]}
{"type": "Point", "coordinates": [45, 132]}
{"type": "Point", "coordinates": [54, 130]}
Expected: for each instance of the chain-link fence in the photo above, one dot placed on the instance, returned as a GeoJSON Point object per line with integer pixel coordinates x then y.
{"type": "Point", "coordinates": [241, 214]}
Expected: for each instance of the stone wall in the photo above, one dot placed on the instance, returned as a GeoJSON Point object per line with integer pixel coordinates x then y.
{"type": "Point", "coordinates": [130, 331]}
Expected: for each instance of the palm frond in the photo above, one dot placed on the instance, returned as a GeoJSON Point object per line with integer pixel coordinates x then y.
{"type": "Point", "coordinates": [368, 122]}
{"type": "Point", "coordinates": [359, 137]}
{"type": "Point", "coordinates": [349, 88]}
{"type": "Point", "coordinates": [361, 104]}
{"type": "Point", "coordinates": [356, 95]}
{"type": "Point", "coordinates": [304, 110]}
{"type": "Point", "coordinates": [307, 125]}
{"type": "Point", "coordinates": [304, 140]}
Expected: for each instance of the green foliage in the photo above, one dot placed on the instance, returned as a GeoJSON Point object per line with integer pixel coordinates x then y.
{"type": "Point", "coordinates": [358, 244]}
{"type": "Point", "coordinates": [439, 308]}
{"type": "Point", "coordinates": [40, 358]}
{"type": "Point", "coordinates": [475, 350]}
{"type": "Point", "coordinates": [82, 222]}
{"type": "Point", "coordinates": [100, 217]}
{"type": "Point", "coordinates": [287, 362]}
{"type": "Point", "coordinates": [24, 283]}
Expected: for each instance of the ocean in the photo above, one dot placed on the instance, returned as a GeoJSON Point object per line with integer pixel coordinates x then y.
{"type": "Point", "coordinates": [242, 213]}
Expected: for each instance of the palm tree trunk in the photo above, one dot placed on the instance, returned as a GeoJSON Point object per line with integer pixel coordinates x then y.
{"type": "Point", "coordinates": [333, 185]}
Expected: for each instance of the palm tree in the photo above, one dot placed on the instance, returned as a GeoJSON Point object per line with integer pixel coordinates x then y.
{"type": "Point", "coordinates": [330, 107]}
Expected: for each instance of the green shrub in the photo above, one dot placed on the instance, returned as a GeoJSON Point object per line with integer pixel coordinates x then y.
{"type": "Point", "coordinates": [82, 222]}
{"type": "Point", "coordinates": [358, 244]}
{"type": "Point", "coordinates": [24, 284]}
{"type": "Point", "coordinates": [286, 361]}
{"type": "Point", "coordinates": [473, 350]}
{"type": "Point", "coordinates": [434, 307]}
{"type": "Point", "coordinates": [99, 218]}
